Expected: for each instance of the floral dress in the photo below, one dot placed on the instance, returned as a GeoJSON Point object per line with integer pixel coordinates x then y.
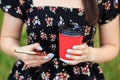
{"type": "Point", "coordinates": [42, 25]}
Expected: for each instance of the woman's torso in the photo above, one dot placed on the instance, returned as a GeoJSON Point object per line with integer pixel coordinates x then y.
{"type": "Point", "coordinates": [43, 19]}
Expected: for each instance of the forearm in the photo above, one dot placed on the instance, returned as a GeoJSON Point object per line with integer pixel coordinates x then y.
{"type": "Point", "coordinates": [105, 53]}
{"type": "Point", "coordinates": [109, 41]}
{"type": "Point", "coordinates": [8, 44]}
{"type": "Point", "coordinates": [10, 33]}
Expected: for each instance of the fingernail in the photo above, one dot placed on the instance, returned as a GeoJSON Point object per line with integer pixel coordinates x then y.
{"type": "Point", "coordinates": [69, 51]}
{"type": "Point", "coordinates": [74, 47]}
{"type": "Point", "coordinates": [40, 48]}
{"type": "Point", "coordinates": [45, 58]}
{"type": "Point", "coordinates": [67, 56]}
{"type": "Point", "coordinates": [51, 55]}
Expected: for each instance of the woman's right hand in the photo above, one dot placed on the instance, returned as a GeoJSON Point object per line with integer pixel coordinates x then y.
{"type": "Point", "coordinates": [33, 60]}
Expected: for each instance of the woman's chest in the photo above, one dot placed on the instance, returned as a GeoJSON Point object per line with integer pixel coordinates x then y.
{"type": "Point", "coordinates": [54, 16]}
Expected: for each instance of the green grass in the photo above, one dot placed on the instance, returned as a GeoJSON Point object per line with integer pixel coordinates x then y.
{"type": "Point", "coordinates": [111, 69]}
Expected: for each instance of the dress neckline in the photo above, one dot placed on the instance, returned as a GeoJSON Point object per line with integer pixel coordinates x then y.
{"type": "Point", "coordinates": [61, 7]}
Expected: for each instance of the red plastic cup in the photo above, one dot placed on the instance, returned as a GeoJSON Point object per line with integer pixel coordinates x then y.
{"type": "Point", "coordinates": [68, 37]}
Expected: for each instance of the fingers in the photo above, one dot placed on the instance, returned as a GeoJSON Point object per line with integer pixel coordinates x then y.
{"type": "Point", "coordinates": [35, 61]}
{"type": "Point", "coordinates": [78, 47]}
{"type": "Point", "coordinates": [79, 53]}
{"type": "Point", "coordinates": [28, 57]}
{"type": "Point", "coordinates": [31, 47]}
{"type": "Point", "coordinates": [36, 46]}
{"type": "Point", "coordinates": [76, 57]}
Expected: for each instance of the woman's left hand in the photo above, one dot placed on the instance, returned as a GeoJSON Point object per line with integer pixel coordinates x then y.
{"type": "Point", "coordinates": [80, 53]}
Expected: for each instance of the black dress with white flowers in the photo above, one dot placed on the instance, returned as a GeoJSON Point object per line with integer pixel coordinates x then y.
{"type": "Point", "coordinates": [42, 26]}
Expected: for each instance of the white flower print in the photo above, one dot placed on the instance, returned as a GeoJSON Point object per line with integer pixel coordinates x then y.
{"type": "Point", "coordinates": [80, 12]}
{"type": "Point", "coordinates": [18, 10]}
{"type": "Point", "coordinates": [43, 35]}
{"type": "Point", "coordinates": [0, 1]}
{"type": "Point", "coordinates": [36, 21]}
{"type": "Point", "coordinates": [87, 30]}
{"type": "Point", "coordinates": [6, 8]}
{"type": "Point", "coordinates": [45, 76]}
{"type": "Point", "coordinates": [76, 70]}
{"type": "Point", "coordinates": [32, 36]}
{"type": "Point", "coordinates": [56, 78]}
{"type": "Point", "coordinates": [49, 21]}
{"type": "Point", "coordinates": [21, 77]}
{"type": "Point", "coordinates": [24, 67]}
{"type": "Point", "coordinates": [99, 1]}
{"type": "Point", "coordinates": [107, 5]}
{"type": "Point", "coordinates": [53, 9]}
{"type": "Point", "coordinates": [71, 9]}
{"type": "Point", "coordinates": [29, 78]}
{"type": "Point", "coordinates": [53, 47]}
{"type": "Point", "coordinates": [62, 76]}
{"type": "Point", "coordinates": [85, 70]}
{"type": "Point", "coordinates": [61, 21]}
{"type": "Point", "coordinates": [100, 70]}
{"type": "Point", "coordinates": [56, 63]}
{"type": "Point", "coordinates": [30, 10]}
{"type": "Point", "coordinates": [16, 75]}
{"type": "Point", "coordinates": [116, 5]}
{"type": "Point", "coordinates": [52, 37]}
{"type": "Point", "coordinates": [116, 1]}
{"type": "Point", "coordinates": [28, 22]}
{"type": "Point", "coordinates": [40, 7]}
{"type": "Point", "coordinates": [18, 63]}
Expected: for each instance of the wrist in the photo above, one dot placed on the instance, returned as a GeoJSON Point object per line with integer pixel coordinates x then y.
{"type": "Point", "coordinates": [92, 56]}
{"type": "Point", "coordinates": [13, 51]}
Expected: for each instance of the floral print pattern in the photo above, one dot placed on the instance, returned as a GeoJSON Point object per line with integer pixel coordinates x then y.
{"type": "Point", "coordinates": [45, 76]}
{"type": "Point", "coordinates": [61, 76]}
{"type": "Point", "coordinates": [85, 70]}
{"type": "Point", "coordinates": [42, 25]}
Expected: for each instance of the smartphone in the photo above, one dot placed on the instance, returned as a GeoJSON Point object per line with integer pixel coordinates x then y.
{"type": "Point", "coordinates": [43, 53]}
{"type": "Point", "coordinates": [25, 52]}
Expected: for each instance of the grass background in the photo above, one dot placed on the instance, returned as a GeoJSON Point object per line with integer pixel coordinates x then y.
{"type": "Point", "coordinates": [111, 69]}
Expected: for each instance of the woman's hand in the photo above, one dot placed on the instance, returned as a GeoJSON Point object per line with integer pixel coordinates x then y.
{"type": "Point", "coordinates": [33, 60]}
{"type": "Point", "coordinates": [80, 53]}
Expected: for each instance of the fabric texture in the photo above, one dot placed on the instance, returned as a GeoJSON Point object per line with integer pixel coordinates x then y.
{"type": "Point", "coordinates": [42, 24]}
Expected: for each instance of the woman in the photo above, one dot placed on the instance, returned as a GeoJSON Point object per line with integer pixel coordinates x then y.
{"type": "Point", "coordinates": [42, 19]}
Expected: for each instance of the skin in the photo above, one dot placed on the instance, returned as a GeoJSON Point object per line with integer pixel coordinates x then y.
{"type": "Point", "coordinates": [109, 37]}
{"type": "Point", "coordinates": [8, 34]}
{"type": "Point", "coordinates": [109, 45]}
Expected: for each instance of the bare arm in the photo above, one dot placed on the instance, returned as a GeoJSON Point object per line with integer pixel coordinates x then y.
{"type": "Point", "coordinates": [109, 40]}
{"type": "Point", "coordinates": [10, 33]}
{"type": "Point", "coordinates": [10, 37]}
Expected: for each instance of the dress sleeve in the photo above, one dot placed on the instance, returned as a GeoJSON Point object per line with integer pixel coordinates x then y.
{"type": "Point", "coordinates": [108, 9]}
{"type": "Point", "coordinates": [119, 7]}
{"type": "Point", "coordinates": [12, 7]}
